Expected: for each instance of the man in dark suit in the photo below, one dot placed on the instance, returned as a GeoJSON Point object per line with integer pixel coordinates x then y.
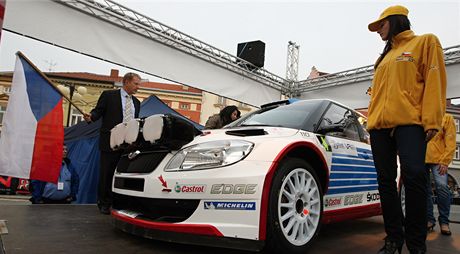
{"type": "Point", "coordinates": [114, 106]}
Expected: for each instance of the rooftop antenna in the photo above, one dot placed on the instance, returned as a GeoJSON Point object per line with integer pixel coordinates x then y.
{"type": "Point", "coordinates": [51, 64]}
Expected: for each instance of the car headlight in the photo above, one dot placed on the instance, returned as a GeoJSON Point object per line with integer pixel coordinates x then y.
{"type": "Point", "coordinates": [210, 155]}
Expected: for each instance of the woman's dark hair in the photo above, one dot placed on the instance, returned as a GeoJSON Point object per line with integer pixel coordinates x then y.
{"type": "Point", "coordinates": [398, 24]}
{"type": "Point", "coordinates": [226, 114]}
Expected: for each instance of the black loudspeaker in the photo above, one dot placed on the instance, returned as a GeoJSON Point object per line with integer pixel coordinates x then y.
{"type": "Point", "coordinates": [253, 52]}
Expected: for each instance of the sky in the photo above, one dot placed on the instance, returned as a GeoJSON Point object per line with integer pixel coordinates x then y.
{"type": "Point", "coordinates": [332, 35]}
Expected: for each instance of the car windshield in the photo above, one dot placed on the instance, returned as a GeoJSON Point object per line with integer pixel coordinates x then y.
{"type": "Point", "coordinates": [291, 116]}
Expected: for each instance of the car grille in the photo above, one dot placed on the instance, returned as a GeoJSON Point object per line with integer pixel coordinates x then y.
{"type": "Point", "coordinates": [159, 210]}
{"type": "Point", "coordinates": [135, 184]}
{"type": "Point", "coordinates": [144, 162]}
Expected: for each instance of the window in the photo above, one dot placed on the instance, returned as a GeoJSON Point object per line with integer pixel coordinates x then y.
{"type": "Point", "coordinates": [2, 113]}
{"type": "Point", "coordinates": [75, 117]}
{"type": "Point", "coordinates": [243, 105]}
{"type": "Point", "coordinates": [184, 106]}
{"type": "Point", "coordinates": [7, 89]}
{"type": "Point", "coordinates": [457, 125]}
{"type": "Point", "coordinates": [457, 153]}
{"type": "Point", "coordinates": [341, 122]}
{"type": "Point", "coordinates": [221, 100]}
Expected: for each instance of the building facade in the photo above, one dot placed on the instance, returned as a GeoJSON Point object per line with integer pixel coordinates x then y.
{"type": "Point", "coordinates": [185, 100]}
{"type": "Point", "coordinates": [454, 167]}
{"type": "Point", "coordinates": [85, 88]}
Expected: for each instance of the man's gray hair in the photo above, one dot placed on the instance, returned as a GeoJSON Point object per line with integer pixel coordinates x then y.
{"type": "Point", "coordinates": [129, 76]}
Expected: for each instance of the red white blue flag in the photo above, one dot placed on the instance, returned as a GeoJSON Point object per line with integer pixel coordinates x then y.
{"type": "Point", "coordinates": [32, 134]}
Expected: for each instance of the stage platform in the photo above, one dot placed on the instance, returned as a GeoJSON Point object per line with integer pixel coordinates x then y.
{"type": "Point", "coordinates": [82, 229]}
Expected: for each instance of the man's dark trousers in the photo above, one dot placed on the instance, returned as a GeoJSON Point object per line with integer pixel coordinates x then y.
{"type": "Point", "coordinates": [109, 161]}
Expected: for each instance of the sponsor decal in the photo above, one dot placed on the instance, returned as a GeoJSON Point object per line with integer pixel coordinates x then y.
{"type": "Point", "coordinates": [189, 188]}
{"type": "Point", "coordinates": [353, 199]}
{"type": "Point", "coordinates": [164, 184]}
{"type": "Point", "coordinates": [324, 143]}
{"type": "Point", "coordinates": [372, 196]}
{"type": "Point", "coordinates": [405, 57]}
{"type": "Point", "coordinates": [344, 148]}
{"type": "Point", "coordinates": [331, 202]}
{"type": "Point", "coordinates": [434, 67]}
{"type": "Point", "coordinates": [233, 188]}
{"type": "Point", "coordinates": [304, 134]}
{"type": "Point", "coordinates": [406, 54]}
{"type": "Point", "coordinates": [216, 205]}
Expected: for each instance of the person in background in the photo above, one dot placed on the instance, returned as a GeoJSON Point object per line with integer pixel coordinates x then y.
{"type": "Point", "coordinates": [64, 192]}
{"type": "Point", "coordinates": [406, 108]}
{"type": "Point", "coordinates": [226, 116]}
{"type": "Point", "coordinates": [114, 107]}
{"type": "Point", "coordinates": [439, 154]}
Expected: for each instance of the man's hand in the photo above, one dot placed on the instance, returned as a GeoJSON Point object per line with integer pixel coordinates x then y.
{"type": "Point", "coordinates": [87, 117]}
{"type": "Point", "coordinates": [442, 169]}
{"type": "Point", "coordinates": [430, 134]}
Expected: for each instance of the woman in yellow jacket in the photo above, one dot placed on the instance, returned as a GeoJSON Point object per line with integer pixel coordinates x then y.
{"type": "Point", "coordinates": [439, 155]}
{"type": "Point", "coordinates": [406, 109]}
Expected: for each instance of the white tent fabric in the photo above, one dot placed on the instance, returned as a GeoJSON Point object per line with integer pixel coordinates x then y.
{"type": "Point", "coordinates": [55, 23]}
{"type": "Point", "coordinates": [354, 95]}
{"type": "Point", "coordinates": [453, 80]}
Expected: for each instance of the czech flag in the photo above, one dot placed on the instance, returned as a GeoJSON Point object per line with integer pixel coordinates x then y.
{"type": "Point", "coordinates": [32, 136]}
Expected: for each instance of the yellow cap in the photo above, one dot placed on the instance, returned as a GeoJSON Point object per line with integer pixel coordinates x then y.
{"type": "Point", "coordinates": [392, 10]}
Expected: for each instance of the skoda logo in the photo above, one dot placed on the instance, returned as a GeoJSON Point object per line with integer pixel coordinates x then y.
{"type": "Point", "coordinates": [133, 155]}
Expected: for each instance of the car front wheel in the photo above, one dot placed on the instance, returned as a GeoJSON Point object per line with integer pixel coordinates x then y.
{"type": "Point", "coordinates": [295, 207]}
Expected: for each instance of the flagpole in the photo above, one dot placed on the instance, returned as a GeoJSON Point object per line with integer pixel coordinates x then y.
{"type": "Point", "coordinates": [19, 53]}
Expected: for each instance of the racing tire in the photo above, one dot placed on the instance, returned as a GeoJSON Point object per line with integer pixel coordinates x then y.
{"type": "Point", "coordinates": [295, 208]}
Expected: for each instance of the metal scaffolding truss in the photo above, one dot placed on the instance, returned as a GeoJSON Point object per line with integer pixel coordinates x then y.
{"type": "Point", "coordinates": [336, 79]}
{"type": "Point", "coordinates": [292, 64]}
{"type": "Point", "coordinates": [138, 23]}
{"type": "Point", "coordinates": [451, 56]}
{"type": "Point", "coordinates": [292, 68]}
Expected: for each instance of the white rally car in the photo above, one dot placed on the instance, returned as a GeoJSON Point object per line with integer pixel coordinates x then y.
{"type": "Point", "coordinates": [269, 179]}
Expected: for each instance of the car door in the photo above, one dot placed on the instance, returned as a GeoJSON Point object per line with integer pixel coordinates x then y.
{"type": "Point", "coordinates": [353, 178]}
